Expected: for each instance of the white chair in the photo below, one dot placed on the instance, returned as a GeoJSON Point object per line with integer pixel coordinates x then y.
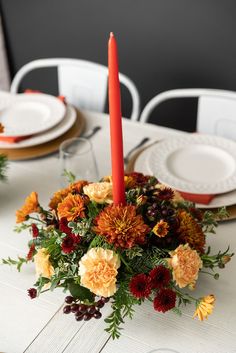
{"type": "Point", "coordinates": [216, 109]}
{"type": "Point", "coordinates": [83, 83]}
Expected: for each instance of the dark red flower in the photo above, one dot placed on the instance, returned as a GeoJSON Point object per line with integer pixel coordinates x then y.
{"type": "Point", "coordinates": [35, 230]}
{"type": "Point", "coordinates": [166, 194]}
{"type": "Point", "coordinates": [140, 286]}
{"type": "Point", "coordinates": [160, 277]}
{"type": "Point", "coordinates": [139, 178]}
{"type": "Point", "coordinates": [69, 243]}
{"type": "Point", "coordinates": [164, 300]}
{"type": "Point", "coordinates": [63, 226]}
{"type": "Point", "coordinates": [31, 252]}
{"type": "Point", "coordinates": [32, 293]}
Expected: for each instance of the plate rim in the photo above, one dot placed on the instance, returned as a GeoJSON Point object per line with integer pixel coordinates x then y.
{"type": "Point", "coordinates": [217, 202]}
{"type": "Point", "coordinates": [169, 145]}
{"type": "Point", "coordinates": [49, 100]}
{"type": "Point", "coordinates": [34, 140]}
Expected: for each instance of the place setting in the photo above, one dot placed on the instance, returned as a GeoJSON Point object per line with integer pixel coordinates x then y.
{"type": "Point", "coordinates": [35, 124]}
{"type": "Point", "coordinates": [201, 167]}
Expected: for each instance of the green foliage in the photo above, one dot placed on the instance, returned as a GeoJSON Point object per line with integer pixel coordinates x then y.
{"type": "Point", "coordinates": [69, 176]}
{"type": "Point", "coordinates": [18, 263]}
{"type": "Point", "coordinates": [210, 220]}
{"type": "Point", "coordinates": [134, 252]}
{"type": "Point", "coordinates": [79, 292]}
{"type": "Point", "coordinates": [132, 195]}
{"type": "Point", "coordinates": [19, 228]}
{"type": "Point", "coordinates": [3, 167]}
{"type": "Point", "coordinates": [93, 209]}
{"type": "Point", "coordinates": [150, 258]}
{"type": "Point", "coordinates": [122, 306]}
{"type": "Point", "coordinates": [82, 228]}
{"type": "Point", "coordinates": [218, 260]}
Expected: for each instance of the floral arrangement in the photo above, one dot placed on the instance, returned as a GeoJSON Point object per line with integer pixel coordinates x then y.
{"type": "Point", "coordinates": [3, 161]}
{"type": "Point", "coordinates": [153, 247]}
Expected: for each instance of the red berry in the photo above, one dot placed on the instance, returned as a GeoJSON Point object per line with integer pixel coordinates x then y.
{"type": "Point", "coordinates": [74, 308]}
{"type": "Point", "coordinates": [82, 308]}
{"type": "Point", "coordinates": [99, 304]}
{"type": "Point", "coordinates": [67, 309]}
{"type": "Point", "coordinates": [105, 300]}
{"type": "Point", "coordinates": [69, 299]}
{"type": "Point", "coordinates": [87, 317]}
{"type": "Point", "coordinates": [97, 314]}
{"type": "Point", "coordinates": [91, 310]}
{"type": "Point", "coordinates": [79, 316]}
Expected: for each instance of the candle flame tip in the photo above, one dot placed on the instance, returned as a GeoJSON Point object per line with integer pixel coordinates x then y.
{"type": "Point", "coordinates": [111, 34]}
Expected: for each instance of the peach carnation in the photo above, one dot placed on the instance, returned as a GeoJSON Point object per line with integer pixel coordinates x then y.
{"type": "Point", "coordinates": [43, 265]}
{"type": "Point", "coordinates": [98, 271]}
{"type": "Point", "coordinates": [31, 205]}
{"type": "Point", "coordinates": [185, 264]}
{"type": "Point", "coordinates": [71, 207]}
{"type": "Point", "coordinates": [99, 192]}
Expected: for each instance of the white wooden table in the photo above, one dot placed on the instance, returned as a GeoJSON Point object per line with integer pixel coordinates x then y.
{"type": "Point", "coordinates": [39, 325]}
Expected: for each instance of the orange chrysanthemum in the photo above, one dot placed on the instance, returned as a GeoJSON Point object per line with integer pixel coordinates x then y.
{"type": "Point", "coordinates": [71, 207]}
{"type": "Point", "coordinates": [121, 226]}
{"type": "Point", "coordinates": [77, 187]}
{"type": "Point", "coordinates": [1, 128]}
{"type": "Point", "coordinates": [58, 197]}
{"type": "Point", "coordinates": [205, 307]}
{"type": "Point", "coordinates": [161, 229]}
{"type": "Point", "coordinates": [190, 231]}
{"type": "Point", "coordinates": [31, 205]}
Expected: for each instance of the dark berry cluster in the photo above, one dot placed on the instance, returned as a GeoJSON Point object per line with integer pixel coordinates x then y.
{"type": "Point", "coordinates": [84, 311]}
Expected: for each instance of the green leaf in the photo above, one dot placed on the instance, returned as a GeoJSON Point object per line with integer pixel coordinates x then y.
{"type": "Point", "coordinates": [79, 292]}
{"type": "Point", "coordinates": [69, 176]}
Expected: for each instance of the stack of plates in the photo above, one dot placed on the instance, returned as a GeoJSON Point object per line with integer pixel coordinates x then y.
{"type": "Point", "coordinates": [196, 164]}
{"type": "Point", "coordinates": [39, 121]}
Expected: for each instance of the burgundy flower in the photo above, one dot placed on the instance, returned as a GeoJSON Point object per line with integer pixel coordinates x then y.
{"type": "Point", "coordinates": [69, 243]}
{"type": "Point", "coordinates": [35, 230]}
{"type": "Point", "coordinates": [160, 277]}
{"type": "Point", "coordinates": [166, 194]}
{"type": "Point", "coordinates": [164, 300]}
{"type": "Point", "coordinates": [63, 226]}
{"type": "Point", "coordinates": [31, 252]}
{"type": "Point", "coordinates": [140, 286]}
{"type": "Point", "coordinates": [32, 293]}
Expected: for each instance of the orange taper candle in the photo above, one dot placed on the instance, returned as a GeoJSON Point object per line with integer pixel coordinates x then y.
{"type": "Point", "coordinates": [115, 124]}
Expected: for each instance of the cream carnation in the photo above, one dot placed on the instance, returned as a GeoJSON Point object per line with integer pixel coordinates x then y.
{"type": "Point", "coordinates": [98, 271]}
{"type": "Point", "coordinates": [185, 264]}
{"type": "Point", "coordinates": [99, 192]}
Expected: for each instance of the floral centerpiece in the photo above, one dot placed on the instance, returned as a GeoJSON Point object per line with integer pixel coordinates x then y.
{"type": "Point", "coordinates": [153, 247]}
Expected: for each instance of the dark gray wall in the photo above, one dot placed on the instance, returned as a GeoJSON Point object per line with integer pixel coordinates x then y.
{"type": "Point", "coordinates": [162, 44]}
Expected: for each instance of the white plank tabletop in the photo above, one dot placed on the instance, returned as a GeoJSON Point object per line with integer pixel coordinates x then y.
{"type": "Point", "coordinates": [35, 326]}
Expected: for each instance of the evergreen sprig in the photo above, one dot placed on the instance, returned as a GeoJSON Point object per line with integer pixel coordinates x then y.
{"type": "Point", "coordinates": [122, 307]}
{"type": "Point", "coordinates": [3, 167]}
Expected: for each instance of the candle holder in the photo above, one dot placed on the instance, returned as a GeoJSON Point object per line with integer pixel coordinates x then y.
{"type": "Point", "coordinates": [152, 248]}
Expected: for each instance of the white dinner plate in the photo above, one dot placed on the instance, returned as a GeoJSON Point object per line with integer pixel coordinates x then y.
{"type": "Point", "coordinates": [29, 114]}
{"type": "Point", "coordinates": [200, 164]}
{"type": "Point", "coordinates": [221, 200]}
{"type": "Point", "coordinates": [51, 134]}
